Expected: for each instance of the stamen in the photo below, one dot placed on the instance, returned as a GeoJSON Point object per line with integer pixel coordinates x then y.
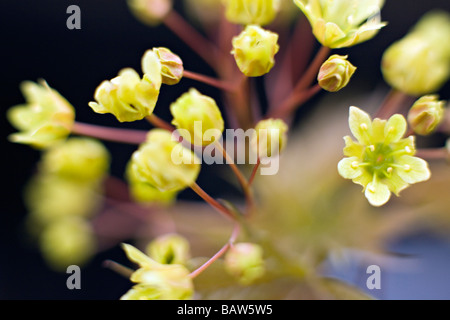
{"type": "Point", "coordinates": [363, 126]}
{"type": "Point", "coordinates": [355, 164]}
{"type": "Point", "coordinates": [407, 167]}
{"type": "Point", "coordinates": [372, 148]}
{"type": "Point", "coordinates": [408, 149]}
{"type": "Point", "coordinates": [389, 170]}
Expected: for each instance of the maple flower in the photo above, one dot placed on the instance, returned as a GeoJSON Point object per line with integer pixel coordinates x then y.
{"type": "Point", "coordinates": [342, 23]}
{"type": "Point", "coordinates": [381, 160]}
{"type": "Point", "coordinates": [157, 281]}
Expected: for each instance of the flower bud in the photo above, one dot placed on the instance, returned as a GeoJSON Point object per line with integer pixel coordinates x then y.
{"type": "Point", "coordinates": [419, 63]}
{"type": "Point", "coordinates": [165, 163]}
{"type": "Point", "coordinates": [144, 193]}
{"type": "Point", "coordinates": [128, 97]}
{"type": "Point", "coordinates": [169, 249]}
{"type": "Point", "coordinates": [150, 12]}
{"type": "Point", "coordinates": [335, 73]}
{"type": "Point", "coordinates": [254, 50]}
{"type": "Point", "coordinates": [78, 159]}
{"type": "Point", "coordinates": [270, 137]}
{"type": "Point", "coordinates": [66, 242]}
{"type": "Point", "coordinates": [171, 66]}
{"type": "Point", "coordinates": [197, 117]}
{"type": "Point", "coordinates": [426, 114]}
{"type": "Point", "coordinates": [245, 261]}
{"type": "Point", "coordinates": [44, 120]}
{"type": "Point", "coordinates": [259, 12]}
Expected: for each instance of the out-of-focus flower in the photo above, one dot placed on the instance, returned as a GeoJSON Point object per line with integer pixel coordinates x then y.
{"type": "Point", "coordinates": [169, 249]}
{"type": "Point", "coordinates": [419, 63]}
{"type": "Point", "coordinates": [156, 281]}
{"type": "Point", "coordinates": [50, 198]}
{"type": "Point", "coordinates": [205, 11]}
{"type": "Point", "coordinates": [426, 114]}
{"type": "Point", "coordinates": [79, 159]}
{"type": "Point", "coordinates": [342, 23]}
{"type": "Point", "coordinates": [270, 137]}
{"type": "Point", "coordinates": [245, 261]}
{"type": "Point", "coordinates": [195, 114]}
{"type": "Point", "coordinates": [67, 241]}
{"type": "Point", "coordinates": [150, 12]}
{"type": "Point", "coordinates": [171, 66]}
{"type": "Point", "coordinates": [165, 163]}
{"type": "Point", "coordinates": [381, 161]}
{"type": "Point", "coordinates": [335, 73]}
{"type": "Point", "coordinates": [145, 193]}
{"type": "Point", "coordinates": [258, 12]}
{"type": "Point", "coordinates": [128, 97]}
{"type": "Point", "coordinates": [44, 120]}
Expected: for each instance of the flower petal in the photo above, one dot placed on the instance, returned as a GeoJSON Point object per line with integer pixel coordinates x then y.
{"type": "Point", "coordinates": [360, 125]}
{"type": "Point", "coordinates": [377, 193]}
{"type": "Point", "coordinates": [413, 169]}
{"type": "Point", "coordinates": [347, 169]}
{"type": "Point", "coordinates": [352, 148]}
{"type": "Point", "coordinates": [377, 133]}
{"type": "Point", "coordinates": [138, 256]}
{"type": "Point", "coordinates": [395, 128]}
{"type": "Point", "coordinates": [395, 183]}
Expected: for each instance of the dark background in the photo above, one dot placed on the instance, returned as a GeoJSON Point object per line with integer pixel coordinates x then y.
{"type": "Point", "coordinates": [35, 43]}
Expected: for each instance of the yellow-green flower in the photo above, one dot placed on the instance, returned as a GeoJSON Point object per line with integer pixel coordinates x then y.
{"type": "Point", "coordinates": [156, 281]}
{"type": "Point", "coordinates": [169, 249]}
{"type": "Point", "coordinates": [164, 163]}
{"type": "Point", "coordinates": [79, 159]}
{"type": "Point", "coordinates": [127, 96]}
{"type": "Point", "coordinates": [44, 120]}
{"type": "Point", "coordinates": [50, 198]}
{"type": "Point", "coordinates": [171, 65]}
{"type": "Point", "coordinates": [381, 160]}
{"type": "Point", "coordinates": [245, 261]}
{"type": "Point", "coordinates": [254, 50]}
{"type": "Point", "coordinates": [145, 193]}
{"type": "Point", "coordinates": [195, 114]}
{"type": "Point", "coordinates": [67, 241]}
{"type": "Point", "coordinates": [426, 114]}
{"type": "Point", "coordinates": [419, 63]}
{"type": "Point", "coordinates": [270, 137]}
{"type": "Point", "coordinates": [335, 73]}
{"type": "Point", "coordinates": [259, 12]}
{"type": "Point", "coordinates": [342, 23]}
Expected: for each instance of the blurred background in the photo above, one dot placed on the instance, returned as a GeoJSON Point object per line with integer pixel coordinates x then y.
{"type": "Point", "coordinates": [37, 44]}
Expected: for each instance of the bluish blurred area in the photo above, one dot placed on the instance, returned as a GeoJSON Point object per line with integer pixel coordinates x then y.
{"type": "Point", "coordinates": [418, 268]}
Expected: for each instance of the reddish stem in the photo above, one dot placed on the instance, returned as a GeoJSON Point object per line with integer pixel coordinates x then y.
{"type": "Point", "coordinates": [219, 253]}
{"type": "Point", "coordinates": [109, 134]}
{"type": "Point", "coordinates": [194, 39]}
{"type": "Point", "coordinates": [211, 81]}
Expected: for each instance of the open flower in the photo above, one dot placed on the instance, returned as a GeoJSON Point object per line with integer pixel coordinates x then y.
{"type": "Point", "coordinates": [381, 160]}
{"type": "Point", "coordinates": [156, 281]}
{"type": "Point", "coordinates": [127, 96]}
{"type": "Point", "coordinates": [342, 23]}
{"type": "Point", "coordinates": [46, 118]}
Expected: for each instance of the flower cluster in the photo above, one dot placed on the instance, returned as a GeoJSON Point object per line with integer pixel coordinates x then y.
{"type": "Point", "coordinates": [72, 175]}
